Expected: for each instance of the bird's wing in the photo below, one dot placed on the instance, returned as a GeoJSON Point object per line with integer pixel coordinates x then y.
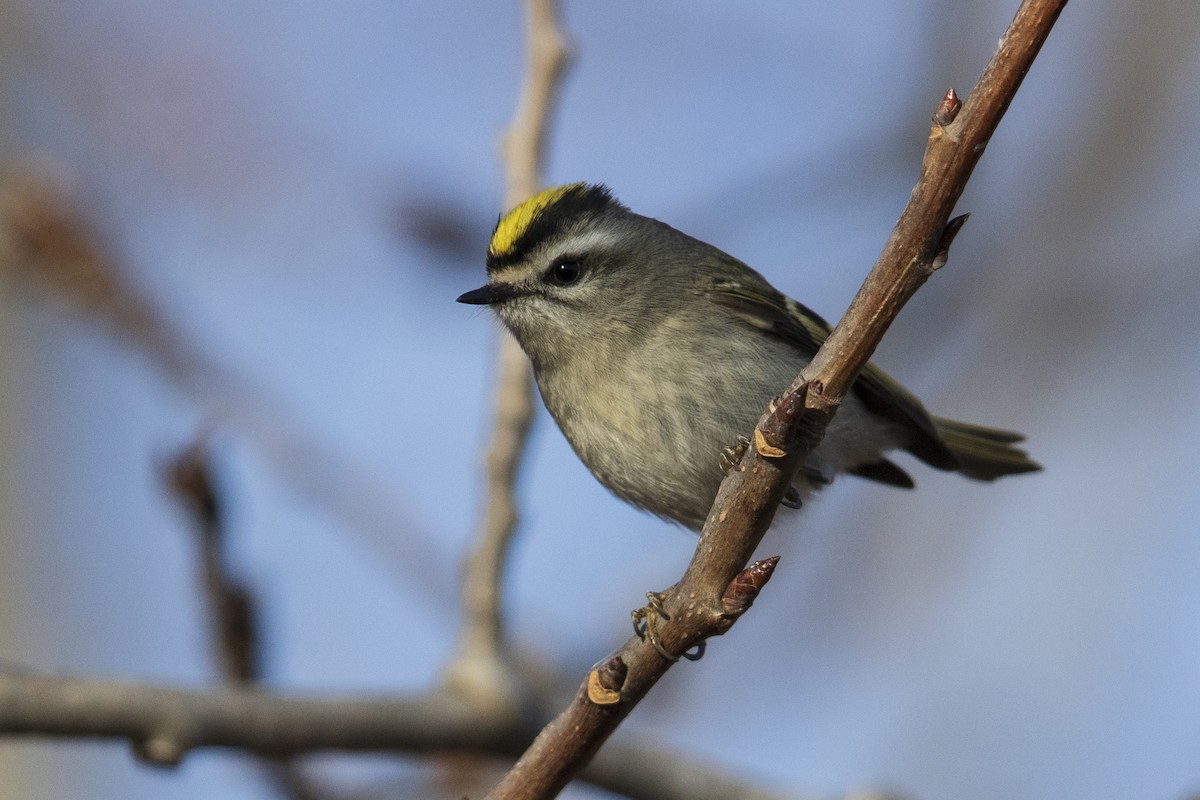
{"type": "Point", "coordinates": [765, 308]}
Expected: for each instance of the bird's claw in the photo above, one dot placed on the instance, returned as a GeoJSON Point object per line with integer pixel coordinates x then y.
{"type": "Point", "coordinates": [791, 498]}
{"type": "Point", "coordinates": [645, 624]}
{"type": "Point", "coordinates": [814, 476]}
{"type": "Point", "coordinates": [732, 456]}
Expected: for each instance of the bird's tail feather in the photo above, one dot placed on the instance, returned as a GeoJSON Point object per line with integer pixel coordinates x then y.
{"type": "Point", "coordinates": [984, 453]}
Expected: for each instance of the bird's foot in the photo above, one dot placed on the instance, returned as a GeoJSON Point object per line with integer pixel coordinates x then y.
{"type": "Point", "coordinates": [791, 498]}
{"type": "Point", "coordinates": [645, 622]}
{"type": "Point", "coordinates": [732, 456]}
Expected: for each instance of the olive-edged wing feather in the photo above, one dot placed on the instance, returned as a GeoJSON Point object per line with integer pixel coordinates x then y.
{"type": "Point", "coordinates": [763, 307]}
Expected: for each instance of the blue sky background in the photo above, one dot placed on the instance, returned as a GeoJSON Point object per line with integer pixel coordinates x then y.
{"type": "Point", "coordinates": [273, 179]}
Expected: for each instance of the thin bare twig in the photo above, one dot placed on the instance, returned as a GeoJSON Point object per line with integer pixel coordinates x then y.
{"type": "Point", "coordinates": [698, 606]}
{"type": "Point", "coordinates": [481, 666]}
{"type": "Point", "coordinates": [232, 606]}
{"type": "Point", "coordinates": [234, 615]}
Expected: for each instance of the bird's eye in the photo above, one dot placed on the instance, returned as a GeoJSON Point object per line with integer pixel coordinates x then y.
{"type": "Point", "coordinates": [564, 273]}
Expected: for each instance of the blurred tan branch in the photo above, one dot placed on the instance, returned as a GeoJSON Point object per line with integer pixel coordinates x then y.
{"type": "Point", "coordinates": [699, 605]}
{"type": "Point", "coordinates": [45, 243]}
{"type": "Point", "coordinates": [482, 667]}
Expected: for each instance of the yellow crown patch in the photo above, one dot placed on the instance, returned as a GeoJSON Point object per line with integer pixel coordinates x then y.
{"type": "Point", "coordinates": [514, 223]}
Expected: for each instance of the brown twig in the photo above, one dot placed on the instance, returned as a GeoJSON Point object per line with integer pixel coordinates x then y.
{"type": "Point", "coordinates": [481, 666]}
{"type": "Point", "coordinates": [744, 507]}
{"type": "Point", "coordinates": [232, 606]}
{"type": "Point", "coordinates": [234, 617]}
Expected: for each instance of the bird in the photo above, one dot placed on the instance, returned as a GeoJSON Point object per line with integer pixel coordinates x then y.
{"type": "Point", "coordinates": [655, 352]}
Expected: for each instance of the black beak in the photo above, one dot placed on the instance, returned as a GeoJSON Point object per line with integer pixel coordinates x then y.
{"type": "Point", "coordinates": [489, 293]}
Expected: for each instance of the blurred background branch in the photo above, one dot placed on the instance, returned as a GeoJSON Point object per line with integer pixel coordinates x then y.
{"type": "Point", "coordinates": [165, 725]}
{"type": "Point", "coordinates": [482, 666]}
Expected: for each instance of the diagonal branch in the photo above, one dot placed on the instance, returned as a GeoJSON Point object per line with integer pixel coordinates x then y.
{"type": "Point", "coordinates": [698, 606]}
{"type": "Point", "coordinates": [165, 724]}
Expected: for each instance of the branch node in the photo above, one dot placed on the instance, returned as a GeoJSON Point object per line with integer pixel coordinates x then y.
{"type": "Point", "coordinates": [772, 439]}
{"type": "Point", "coordinates": [744, 588]}
{"type": "Point", "coordinates": [613, 673]}
{"type": "Point", "coordinates": [605, 682]}
{"type": "Point", "coordinates": [948, 233]}
{"type": "Point", "coordinates": [947, 110]}
{"type": "Point", "coordinates": [160, 750]}
{"type": "Point", "coordinates": [190, 478]}
{"type": "Point", "coordinates": [765, 448]}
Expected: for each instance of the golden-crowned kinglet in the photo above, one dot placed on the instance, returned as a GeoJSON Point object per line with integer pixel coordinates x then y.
{"type": "Point", "coordinates": [654, 352]}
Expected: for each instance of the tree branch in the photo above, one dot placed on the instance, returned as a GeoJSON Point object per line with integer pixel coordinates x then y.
{"type": "Point", "coordinates": [481, 666]}
{"type": "Point", "coordinates": [698, 606]}
{"type": "Point", "coordinates": [232, 607]}
{"type": "Point", "coordinates": [233, 610]}
{"type": "Point", "coordinates": [165, 724]}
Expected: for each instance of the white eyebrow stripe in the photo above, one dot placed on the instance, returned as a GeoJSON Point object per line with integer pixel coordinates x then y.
{"type": "Point", "coordinates": [586, 242]}
{"type": "Point", "coordinates": [571, 246]}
